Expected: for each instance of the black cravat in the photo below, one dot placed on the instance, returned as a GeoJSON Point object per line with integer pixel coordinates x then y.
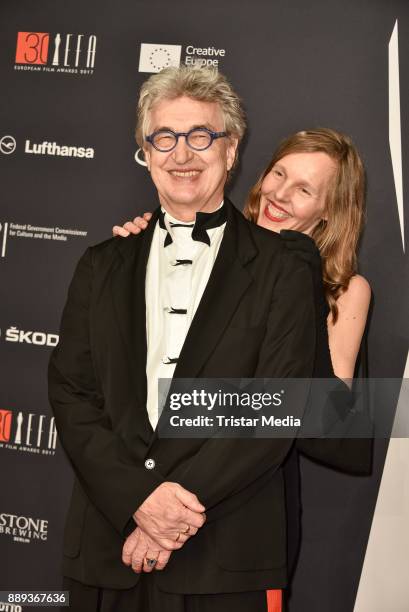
{"type": "Point", "coordinates": [204, 221]}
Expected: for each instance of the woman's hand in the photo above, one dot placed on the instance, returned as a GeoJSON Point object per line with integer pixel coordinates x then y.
{"type": "Point", "coordinates": [132, 227]}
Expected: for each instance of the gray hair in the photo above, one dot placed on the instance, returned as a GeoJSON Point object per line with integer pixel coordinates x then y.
{"type": "Point", "coordinates": [198, 83]}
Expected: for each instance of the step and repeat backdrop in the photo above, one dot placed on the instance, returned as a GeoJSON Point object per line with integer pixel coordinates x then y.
{"type": "Point", "coordinates": [70, 73]}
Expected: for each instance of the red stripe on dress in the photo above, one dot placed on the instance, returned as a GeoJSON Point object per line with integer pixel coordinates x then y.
{"type": "Point", "coordinates": [274, 600]}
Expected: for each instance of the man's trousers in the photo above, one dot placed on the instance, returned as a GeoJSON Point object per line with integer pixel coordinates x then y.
{"type": "Point", "coordinates": [146, 597]}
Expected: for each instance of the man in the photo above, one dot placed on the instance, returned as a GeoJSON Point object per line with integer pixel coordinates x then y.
{"type": "Point", "coordinates": [201, 294]}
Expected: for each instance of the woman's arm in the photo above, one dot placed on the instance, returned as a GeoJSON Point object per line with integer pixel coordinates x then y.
{"type": "Point", "coordinates": [346, 334]}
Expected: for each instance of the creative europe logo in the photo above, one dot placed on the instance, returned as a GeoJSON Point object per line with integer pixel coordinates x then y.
{"type": "Point", "coordinates": [63, 53]}
{"type": "Point", "coordinates": [156, 57]}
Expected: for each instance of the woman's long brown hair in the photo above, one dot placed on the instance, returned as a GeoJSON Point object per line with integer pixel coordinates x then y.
{"type": "Point", "coordinates": [336, 237]}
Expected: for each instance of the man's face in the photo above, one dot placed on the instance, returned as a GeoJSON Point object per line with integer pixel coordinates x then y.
{"type": "Point", "coordinates": [189, 181]}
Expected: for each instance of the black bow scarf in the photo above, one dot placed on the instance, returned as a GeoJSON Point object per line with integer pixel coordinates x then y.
{"type": "Point", "coordinates": [204, 222]}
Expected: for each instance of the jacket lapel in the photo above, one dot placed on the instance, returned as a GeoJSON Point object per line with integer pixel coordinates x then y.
{"type": "Point", "coordinates": [128, 293]}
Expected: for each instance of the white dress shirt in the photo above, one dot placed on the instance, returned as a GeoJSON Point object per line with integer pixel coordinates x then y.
{"type": "Point", "coordinates": [170, 286]}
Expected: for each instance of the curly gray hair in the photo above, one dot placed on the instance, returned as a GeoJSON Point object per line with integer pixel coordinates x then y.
{"type": "Point", "coordinates": [198, 83]}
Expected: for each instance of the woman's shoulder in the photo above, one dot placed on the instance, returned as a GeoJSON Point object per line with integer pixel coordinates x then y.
{"type": "Point", "coordinates": [356, 296]}
{"type": "Point", "coordinates": [358, 287]}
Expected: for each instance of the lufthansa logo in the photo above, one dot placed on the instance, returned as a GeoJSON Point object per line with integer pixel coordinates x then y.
{"type": "Point", "coordinates": [7, 145]}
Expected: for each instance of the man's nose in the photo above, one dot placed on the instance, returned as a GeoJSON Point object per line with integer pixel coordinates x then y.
{"type": "Point", "coordinates": [182, 153]}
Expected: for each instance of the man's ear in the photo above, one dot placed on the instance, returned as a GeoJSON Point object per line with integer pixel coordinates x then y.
{"type": "Point", "coordinates": [232, 145]}
{"type": "Point", "coordinates": [147, 156]}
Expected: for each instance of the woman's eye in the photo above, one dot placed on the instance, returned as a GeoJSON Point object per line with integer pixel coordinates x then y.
{"type": "Point", "coordinates": [304, 190]}
{"type": "Point", "coordinates": [277, 173]}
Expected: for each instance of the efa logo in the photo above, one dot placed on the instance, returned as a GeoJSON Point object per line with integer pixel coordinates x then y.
{"type": "Point", "coordinates": [64, 51]}
{"type": "Point", "coordinates": [32, 47]}
{"type": "Point", "coordinates": [5, 425]}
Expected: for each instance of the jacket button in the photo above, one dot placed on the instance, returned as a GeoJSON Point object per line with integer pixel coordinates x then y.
{"type": "Point", "coordinates": [149, 464]}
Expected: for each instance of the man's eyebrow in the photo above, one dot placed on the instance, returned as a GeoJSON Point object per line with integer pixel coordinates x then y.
{"type": "Point", "coordinates": [166, 128]}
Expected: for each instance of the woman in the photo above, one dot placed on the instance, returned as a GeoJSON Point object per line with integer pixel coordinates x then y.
{"type": "Point", "coordinates": [315, 184]}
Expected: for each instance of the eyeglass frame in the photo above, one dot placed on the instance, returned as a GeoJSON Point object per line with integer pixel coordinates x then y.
{"type": "Point", "coordinates": [213, 136]}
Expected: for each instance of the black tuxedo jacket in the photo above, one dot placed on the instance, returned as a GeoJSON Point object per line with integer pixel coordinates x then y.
{"type": "Point", "coordinates": [255, 319]}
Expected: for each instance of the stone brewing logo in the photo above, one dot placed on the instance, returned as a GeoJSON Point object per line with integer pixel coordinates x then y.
{"type": "Point", "coordinates": [23, 529]}
{"type": "Point", "coordinates": [28, 432]}
{"type": "Point", "coordinates": [45, 52]}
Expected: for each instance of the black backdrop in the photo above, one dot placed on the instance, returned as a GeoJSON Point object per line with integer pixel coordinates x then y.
{"type": "Point", "coordinates": [296, 65]}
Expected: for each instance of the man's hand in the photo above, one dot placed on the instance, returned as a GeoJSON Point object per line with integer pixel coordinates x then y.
{"type": "Point", "coordinates": [139, 548]}
{"type": "Point", "coordinates": [170, 515]}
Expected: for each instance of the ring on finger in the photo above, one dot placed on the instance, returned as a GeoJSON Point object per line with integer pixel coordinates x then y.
{"type": "Point", "coordinates": [187, 530]}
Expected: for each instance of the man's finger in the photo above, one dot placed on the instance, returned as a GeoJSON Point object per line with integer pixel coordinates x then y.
{"type": "Point", "coordinates": [187, 533]}
{"type": "Point", "coordinates": [137, 562]}
{"type": "Point", "coordinates": [147, 216]}
{"type": "Point", "coordinates": [193, 519]}
{"type": "Point", "coordinates": [150, 561]}
{"type": "Point", "coordinates": [189, 500]}
{"type": "Point", "coordinates": [128, 548]}
{"type": "Point", "coordinates": [169, 545]}
{"type": "Point", "coordinates": [163, 559]}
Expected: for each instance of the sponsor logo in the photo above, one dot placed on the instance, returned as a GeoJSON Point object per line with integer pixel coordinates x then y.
{"type": "Point", "coordinates": [5, 425]}
{"type": "Point", "coordinates": [139, 158]}
{"type": "Point", "coordinates": [199, 56]}
{"type": "Point", "coordinates": [7, 145]}
{"type": "Point", "coordinates": [49, 52]}
{"type": "Point", "coordinates": [155, 57]}
{"type": "Point", "coordinates": [9, 607]}
{"type": "Point", "coordinates": [13, 334]}
{"type": "Point", "coordinates": [11, 230]}
{"type": "Point", "coordinates": [23, 529]}
{"type": "Point", "coordinates": [52, 148]}
{"type": "Point", "coordinates": [28, 432]}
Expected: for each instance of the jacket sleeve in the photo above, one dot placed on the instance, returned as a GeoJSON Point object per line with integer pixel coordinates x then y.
{"type": "Point", "coordinates": [223, 467]}
{"type": "Point", "coordinates": [108, 475]}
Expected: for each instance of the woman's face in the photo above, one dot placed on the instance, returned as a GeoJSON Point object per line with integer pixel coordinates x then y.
{"type": "Point", "coordinates": [293, 193]}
